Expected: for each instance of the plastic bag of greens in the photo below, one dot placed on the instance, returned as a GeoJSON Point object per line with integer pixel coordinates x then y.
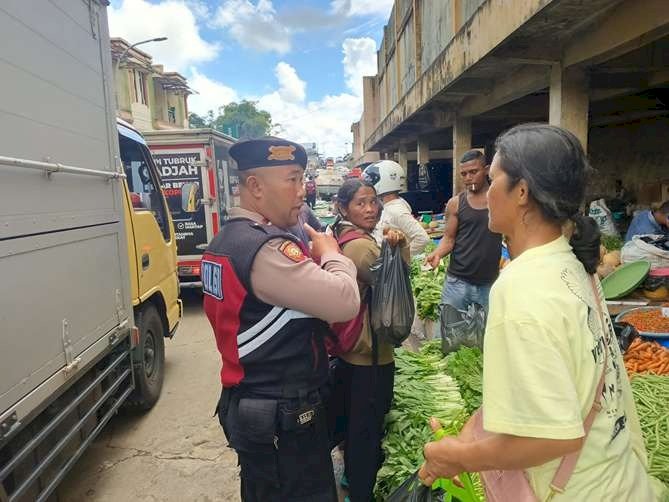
{"type": "Point", "coordinates": [392, 307]}
{"type": "Point", "coordinates": [442, 490]}
{"type": "Point", "coordinates": [412, 490]}
{"type": "Point", "coordinates": [462, 328]}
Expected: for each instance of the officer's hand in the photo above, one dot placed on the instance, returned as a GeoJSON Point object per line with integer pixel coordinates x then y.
{"type": "Point", "coordinates": [433, 259]}
{"type": "Point", "coordinates": [321, 243]}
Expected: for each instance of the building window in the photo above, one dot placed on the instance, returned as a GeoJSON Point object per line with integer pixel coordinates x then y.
{"type": "Point", "coordinates": [171, 114]}
{"type": "Point", "coordinates": [139, 84]}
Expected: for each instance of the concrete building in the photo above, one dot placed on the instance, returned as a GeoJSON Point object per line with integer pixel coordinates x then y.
{"type": "Point", "coordinates": [453, 74]}
{"type": "Point", "coordinates": [359, 156]}
{"type": "Point", "coordinates": [147, 96]}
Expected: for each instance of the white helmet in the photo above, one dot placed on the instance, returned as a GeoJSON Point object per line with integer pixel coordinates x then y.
{"type": "Point", "coordinates": [386, 175]}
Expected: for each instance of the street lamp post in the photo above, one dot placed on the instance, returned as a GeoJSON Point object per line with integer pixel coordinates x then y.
{"type": "Point", "coordinates": [125, 52]}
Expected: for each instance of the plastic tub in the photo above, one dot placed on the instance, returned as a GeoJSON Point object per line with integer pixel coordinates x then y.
{"type": "Point", "coordinates": [661, 338]}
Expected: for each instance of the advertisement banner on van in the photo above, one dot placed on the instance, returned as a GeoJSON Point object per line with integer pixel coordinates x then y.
{"type": "Point", "coordinates": [181, 179]}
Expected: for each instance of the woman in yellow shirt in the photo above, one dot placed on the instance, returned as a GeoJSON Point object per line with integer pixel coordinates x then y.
{"type": "Point", "coordinates": [545, 346]}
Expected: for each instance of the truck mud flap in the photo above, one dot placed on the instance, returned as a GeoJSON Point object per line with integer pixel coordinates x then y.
{"type": "Point", "coordinates": [36, 459]}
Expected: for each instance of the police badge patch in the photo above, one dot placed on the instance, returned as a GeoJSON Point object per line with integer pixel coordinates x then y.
{"type": "Point", "coordinates": [292, 251]}
{"type": "Point", "coordinates": [212, 279]}
{"type": "Point", "coordinates": [281, 153]}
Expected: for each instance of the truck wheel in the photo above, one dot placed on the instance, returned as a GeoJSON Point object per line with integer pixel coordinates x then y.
{"type": "Point", "coordinates": [150, 359]}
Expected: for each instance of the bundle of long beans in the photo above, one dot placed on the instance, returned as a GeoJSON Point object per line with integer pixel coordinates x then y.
{"type": "Point", "coordinates": [651, 394]}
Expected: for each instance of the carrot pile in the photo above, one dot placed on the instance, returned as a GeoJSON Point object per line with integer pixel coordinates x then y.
{"type": "Point", "coordinates": [648, 320]}
{"type": "Point", "coordinates": [646, 357]}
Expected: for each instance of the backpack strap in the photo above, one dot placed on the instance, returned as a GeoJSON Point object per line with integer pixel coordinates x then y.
{"type": "Point", "coordinates": [568, 463]}
{"type": "Point", "coordinates": [350, 236]}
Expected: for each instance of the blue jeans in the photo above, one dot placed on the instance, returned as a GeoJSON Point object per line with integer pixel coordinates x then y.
{"type": "Point", "coordinates": [460, 294]}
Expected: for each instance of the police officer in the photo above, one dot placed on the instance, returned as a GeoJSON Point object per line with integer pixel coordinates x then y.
{"type": "Point", "coordinates": [269, 303]}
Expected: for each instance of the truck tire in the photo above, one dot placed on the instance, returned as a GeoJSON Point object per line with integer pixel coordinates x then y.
{"type": "Point", "coordinates": [150, 358]}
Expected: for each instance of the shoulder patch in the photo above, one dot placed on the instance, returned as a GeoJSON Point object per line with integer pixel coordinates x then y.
{"type": "Point", "coordinates": [212, 279]}
{"type": "Point", "coordinates": [292, 251]}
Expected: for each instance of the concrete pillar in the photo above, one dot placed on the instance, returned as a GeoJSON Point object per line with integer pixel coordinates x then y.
{"type": "Point", "coordinates": [462, 141]}
{"type": "Point", "coordinates": [569, 101]}
{"type": "Point", "coordinates": [456, 16]}
{"type": "Point", "coordinates": [423, 159]}
{"type": "Point", "coordinates": [402, 160]}
{"type": "Point", "coordinates": [402, 156]}
{"type": "Point", "coordinates": [423, 152]}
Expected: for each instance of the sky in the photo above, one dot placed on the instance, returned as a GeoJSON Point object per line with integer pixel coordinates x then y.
{"type": "Point", "coordinates": [301, 60]}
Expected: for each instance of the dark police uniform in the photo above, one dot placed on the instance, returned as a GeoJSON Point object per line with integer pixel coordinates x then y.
{"type": "Point", "coordinates": [269, 305]}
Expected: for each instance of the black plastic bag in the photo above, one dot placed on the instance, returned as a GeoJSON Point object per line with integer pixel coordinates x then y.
{"type": "Point", "coordinates": [653, 283]}
{"type": "Point", "coordinates": [462, 328]}
{"type": "Point", "coordinates": [661, 242]}
{"type": "Point", "coordinates": [625, 333]}
{"type": "Point", "coordinates": [412, 490]}
{"type": "Point", "coordinates": [392, 306]}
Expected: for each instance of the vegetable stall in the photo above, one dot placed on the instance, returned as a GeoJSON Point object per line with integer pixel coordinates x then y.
{"type": "Point", "coordinates": [450, 388]}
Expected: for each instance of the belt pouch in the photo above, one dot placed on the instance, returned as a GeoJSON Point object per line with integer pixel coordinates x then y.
{"type": "Point", "coordinates": [258, 419]}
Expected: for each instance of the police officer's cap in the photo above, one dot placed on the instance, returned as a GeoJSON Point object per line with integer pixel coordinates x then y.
{"type": "Point", "coordinates": [268, 152]}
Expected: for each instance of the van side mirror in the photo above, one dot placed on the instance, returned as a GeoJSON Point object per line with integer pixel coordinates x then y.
{"type": "Point", "coordinates": [190, 200]}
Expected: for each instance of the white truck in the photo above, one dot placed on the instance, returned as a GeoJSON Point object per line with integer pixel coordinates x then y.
{"type": "Point", "coordinates": [200, 187]}
{"type": "Point", "coordinates": [87, 247]}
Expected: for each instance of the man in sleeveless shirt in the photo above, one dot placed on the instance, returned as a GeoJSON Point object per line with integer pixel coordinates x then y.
{"type": "Point", "coordinates": [269, 304]}
{"type": "Point", "coordinates": [475, 251]}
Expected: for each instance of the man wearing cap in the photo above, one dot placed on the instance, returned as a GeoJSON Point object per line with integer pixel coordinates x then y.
{"type": "Point", "coordinates": [269, 304]}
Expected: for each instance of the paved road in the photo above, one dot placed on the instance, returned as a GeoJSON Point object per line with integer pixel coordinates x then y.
{"type": "Point", "coordinates": [177, 451]}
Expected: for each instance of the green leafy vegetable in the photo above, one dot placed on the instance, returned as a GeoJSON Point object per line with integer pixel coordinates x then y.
{"type": "Point", "coordinates": [466, 366]}
{"type": "Point", "coordinates": [422, 390]}
{"type": "Point", "coordinates": [427, 286]}
{"type": "Point", "coordinates": [431, 246]}
{"type": "Point", "coordinates": [612, 242]}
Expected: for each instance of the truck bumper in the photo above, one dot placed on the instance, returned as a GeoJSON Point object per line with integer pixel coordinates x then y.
{"type": "Point", "coordinates": [190, 284]}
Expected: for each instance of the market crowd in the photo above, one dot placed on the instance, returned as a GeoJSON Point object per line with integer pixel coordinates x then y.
{"type": "Point", "coordinates": [304, 373]}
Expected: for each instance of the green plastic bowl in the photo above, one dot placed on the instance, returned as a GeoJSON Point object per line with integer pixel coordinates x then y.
{"type": "Point", "coordinates": [625, 280]}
